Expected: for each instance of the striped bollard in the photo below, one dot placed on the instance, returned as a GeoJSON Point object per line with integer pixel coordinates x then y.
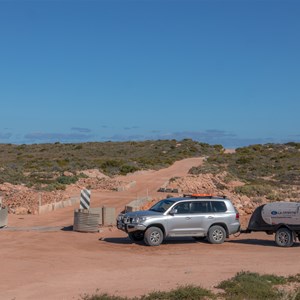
{"type": "Point", "coordinates": [85, 199]}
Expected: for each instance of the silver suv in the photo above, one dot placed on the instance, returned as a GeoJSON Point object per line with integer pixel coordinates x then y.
{"type": "Point", "coordinates": [214, 218]}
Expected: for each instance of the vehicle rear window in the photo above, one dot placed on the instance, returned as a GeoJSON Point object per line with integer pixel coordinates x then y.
{"type": "Point", "coordinates": [218, 206]}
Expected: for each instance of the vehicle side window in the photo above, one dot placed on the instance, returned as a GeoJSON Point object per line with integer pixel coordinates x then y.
{"type": "Point", "coordinates": [218, 206]}
{"type": "Point", "coordinates": [183, 208]}
{"type": "Point", "coordinates": [200, 207]}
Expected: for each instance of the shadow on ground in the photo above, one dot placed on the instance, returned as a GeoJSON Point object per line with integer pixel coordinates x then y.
{"type": "Point", "coordinates": [188, 241]}
{"type": "Point", "coordinates": [258, 242]}
{"type": "Point", "coordinates": [172, 241]}
{"type": "Point", "coordinates": [117, 240]}
{"type": "Point", "coordinates": [67, 228]}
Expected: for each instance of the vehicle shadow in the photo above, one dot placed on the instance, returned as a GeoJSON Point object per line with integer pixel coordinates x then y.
{"type": "Point", "coordinates": [119, 240]}
{"type": "Point", "coordinates": [257, 242]}
{"type": "Point", "coordinates": [178, 241]}
{"type": "Point", "coordinates": [126, 240]}
{"type": "Point", "coordinates": [184, 240]}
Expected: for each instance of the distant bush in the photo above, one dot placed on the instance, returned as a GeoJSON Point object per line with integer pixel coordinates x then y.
{"type": "Point", "coordinates": [254, 190]}
{"type": "Point", "coordinates": [67, 179]}
{"type": "Point", "coordinates": [125, 169]}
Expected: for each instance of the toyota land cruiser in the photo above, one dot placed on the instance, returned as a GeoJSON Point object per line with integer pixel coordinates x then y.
{"type": "Point", "coordinates": [199, 216]}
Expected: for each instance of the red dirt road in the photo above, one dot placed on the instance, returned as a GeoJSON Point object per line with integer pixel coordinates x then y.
{"type": "Point", "coordinates": [63, 264]}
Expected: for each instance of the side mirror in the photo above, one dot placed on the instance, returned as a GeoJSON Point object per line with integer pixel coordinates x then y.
{"type": "Point", "coordinates": [173, 211]}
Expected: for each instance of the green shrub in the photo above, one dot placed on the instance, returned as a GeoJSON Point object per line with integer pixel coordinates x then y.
{"type": "Point", "coordinates": [188, 292]}
{"type": "Point", "coordinates": [125, 169]}
{"type": "Point", "coordinates": [246, 285]}
{"type": "Point", "coordinates": [67, 179]}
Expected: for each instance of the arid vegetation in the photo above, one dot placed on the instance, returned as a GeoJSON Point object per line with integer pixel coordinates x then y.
{"type": "Point", "coordinates": [271, 170]}
{"type": "Point", "coordinates": [250, 176]}
{"type": "Point", "coordinates": [43, 166]}
{"type": "Point", "coordinates": [245, 285]}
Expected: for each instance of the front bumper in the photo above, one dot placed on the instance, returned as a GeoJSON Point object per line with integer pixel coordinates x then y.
{"type": "Point", "coordinates": [130, 227]}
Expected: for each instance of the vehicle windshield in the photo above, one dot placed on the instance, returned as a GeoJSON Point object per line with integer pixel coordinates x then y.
{"type": "Point", "coordinates": [162, 205]}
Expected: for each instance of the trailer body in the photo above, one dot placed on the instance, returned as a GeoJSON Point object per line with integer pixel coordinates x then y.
{"type": "Point", "coordinates": [281, 218]}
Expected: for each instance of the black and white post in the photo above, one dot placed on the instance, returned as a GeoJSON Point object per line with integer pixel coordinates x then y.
{"type": "Point", "coordinates": [85, 199]}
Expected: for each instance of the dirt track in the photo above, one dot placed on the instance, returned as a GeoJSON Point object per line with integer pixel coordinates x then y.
{"type": "Point", "coordinates": [63, 264]}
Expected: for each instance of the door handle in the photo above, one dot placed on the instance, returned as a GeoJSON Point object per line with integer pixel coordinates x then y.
{"type": "Point", "coordinates": [210, 217]}
{"type": "Point", "coordinates": [188, 218]}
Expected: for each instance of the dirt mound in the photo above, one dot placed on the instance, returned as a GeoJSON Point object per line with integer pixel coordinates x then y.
{"type": "Point", "coordinates": [93, 173]}
{"type": "Point", "coordinates": [23, 200]}
{"type": "Point", "coordinates": [100, 184]}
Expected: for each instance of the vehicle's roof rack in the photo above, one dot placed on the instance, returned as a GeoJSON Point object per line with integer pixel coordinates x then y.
{"type": "Point", "coordinates": [199, 196]}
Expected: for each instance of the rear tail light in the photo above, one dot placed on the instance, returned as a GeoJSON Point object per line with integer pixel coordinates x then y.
{"type": "Point", "coordinates": [237, 216]}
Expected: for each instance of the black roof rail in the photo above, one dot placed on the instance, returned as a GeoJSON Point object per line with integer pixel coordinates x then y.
{"type": "Point", "coordinates": [204, 196]}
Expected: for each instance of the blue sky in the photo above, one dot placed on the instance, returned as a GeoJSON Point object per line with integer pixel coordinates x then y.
{"type": "Point", "coordinates": [221, 72]}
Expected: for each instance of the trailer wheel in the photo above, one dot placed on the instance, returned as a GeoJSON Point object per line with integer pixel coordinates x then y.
{"type": "Point", "coordinates": [216, 234]}
{"type": "Point", "coordinates": [284, 237]}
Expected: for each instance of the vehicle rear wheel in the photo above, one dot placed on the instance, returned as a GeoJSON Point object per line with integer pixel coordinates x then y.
{"type": "Point", "coordinates": [153, 236]}
{"type": "Point", "coordinates": [284, 237]}
{"type": "Point", "coordinates": [136, 236]}
{"type": "Point", "coordinates": [216, 234]}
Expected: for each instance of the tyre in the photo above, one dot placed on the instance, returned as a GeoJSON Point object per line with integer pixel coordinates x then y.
{"type": "Point", "coordinates": [284, 237]}
{"type": "Point", "coordinates": [216, 234]}
{"type": "Point", "coordinates": [153, 236]}
{"type": "Point", "coordinates": [136, 236]}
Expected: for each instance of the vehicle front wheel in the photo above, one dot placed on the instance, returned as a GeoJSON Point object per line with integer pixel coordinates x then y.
{"type": "Point", "coordinates": [153, 236]}
{"type": "Point", "coordinates": [136, 236]}
{"type": "Point", "coordinates": [284, 237]}
{"type": "Point", "coordinates": [216, 234]}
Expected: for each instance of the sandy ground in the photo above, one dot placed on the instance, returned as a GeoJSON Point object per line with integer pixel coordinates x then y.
{"type": "Point", "coordinates": [54, 263]}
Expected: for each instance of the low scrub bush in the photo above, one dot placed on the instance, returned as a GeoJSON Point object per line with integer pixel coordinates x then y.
{"type": "Point", "coordinates": [189, 292]}
{"type": "Point", "coordinates": [67, 179]}
{"type": "Point", "coordinates": [254, 190]}
{"type": "Point", "coordinates": [246, 285]}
